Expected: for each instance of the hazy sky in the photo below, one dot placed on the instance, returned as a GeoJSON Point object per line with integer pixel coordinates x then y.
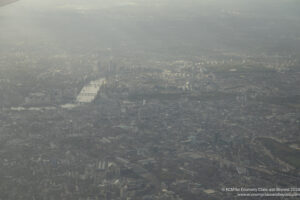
{"type": "Point", "coordinates": [154, 24]}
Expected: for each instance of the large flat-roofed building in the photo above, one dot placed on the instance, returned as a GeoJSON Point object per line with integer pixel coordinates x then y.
{"type": "Point", "coordinates": [90, 91]}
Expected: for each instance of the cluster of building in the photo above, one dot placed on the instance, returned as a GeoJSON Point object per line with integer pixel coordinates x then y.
{"type": "Point", "coordinates": [160, 131]}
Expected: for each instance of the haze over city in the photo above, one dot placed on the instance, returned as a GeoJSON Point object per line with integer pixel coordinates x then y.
{"type": "Point", "coordinates": [149, 99]}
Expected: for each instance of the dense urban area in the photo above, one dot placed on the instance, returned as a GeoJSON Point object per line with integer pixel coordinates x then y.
{"type": "Point", "coordinates": [168, 123]}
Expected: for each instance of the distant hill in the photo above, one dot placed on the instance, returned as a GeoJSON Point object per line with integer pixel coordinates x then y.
{"type": "Point", "coordinates": [5, 2]}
